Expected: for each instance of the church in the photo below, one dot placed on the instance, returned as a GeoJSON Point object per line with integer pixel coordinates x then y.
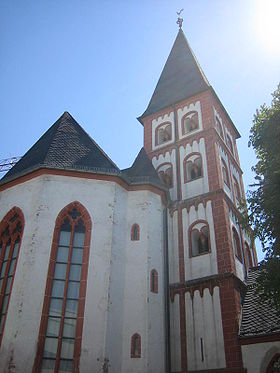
{"type": "Point", "coordinates": [141, 270]}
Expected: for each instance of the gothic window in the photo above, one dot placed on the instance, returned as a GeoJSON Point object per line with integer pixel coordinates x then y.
{"type": "Point", "coordinates": [163, 133]}
{"type": "Point", "coordinates": [225, 174]}
{"type": "Point", "coordinates": [200, 240]}
{"type": "Point", "coordinates": [63, 310]}
{"type": "Point", "coordinates": [236, 190]}
{"type": "Point", "coordinates": [229, 143]}
{"type": "Point", "coordinates": [190, 122]}
{"type": "Point", "coordinates": [135, 232]}
{"type": "Point", "coordinates": [166, 174]}
{"type": "Point", "coordinates": [193, 167]}
{"type": "Point", "coordinates": [219, 128]}
{"type": "Point", "coordinates": [11, 229]}
{"type": "Point", "coordinates": [236, 244]}
{"type": "Point", "coordinates": [135, 346]}
{"type": "Point", "coordinates": [274, 365]}
{"type": "Point", "coordinates": [154, 281]}
{"type": "Point", "coordinates": [248, 256]}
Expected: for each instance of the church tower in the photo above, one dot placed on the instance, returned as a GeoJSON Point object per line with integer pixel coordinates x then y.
{"type": "Point", "coordinates": [191, 142]}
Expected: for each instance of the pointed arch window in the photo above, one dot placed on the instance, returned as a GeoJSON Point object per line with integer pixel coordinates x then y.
{"type": "Point", "coordinates": [135, 232]}
{"type": "Point", "coordinates": [163, 133]}
{"type": "Point", "coordinates": [199, 238]}
{"type": "Point", "coordinates": [190, 122]}
{"type": "Point", "coordinates": [248, 256]}
{"type": "Point", "coordinates": [219, 127]}
{"type": "Point", "coordinates": [229, 143]}
{"type": "Point", "coordinates": [225, 174]}
{"type": "Point", "coordinates": [193, 167]}
{"type": "Point", "coordinates": [236, 190]}
{"type": "Point", "coordinates": [236, 244]}
{"type": "Point", "coordinates": [274, 365]}
{"type": "Point", "coordinates": [135, 346]}
{"type": "Point", "coordinates": [63, 310]}
{"type": "Point", "coordinates": [11, 230]}
{"type": "Point", "coordinates": [154, 281]}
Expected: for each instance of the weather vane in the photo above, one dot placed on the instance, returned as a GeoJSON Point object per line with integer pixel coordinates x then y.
{"type": "Point", "coordinates": [179, 20]}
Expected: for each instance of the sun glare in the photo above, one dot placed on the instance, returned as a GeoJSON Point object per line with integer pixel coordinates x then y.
{"type": "Point", "coordinates": [267, 23]}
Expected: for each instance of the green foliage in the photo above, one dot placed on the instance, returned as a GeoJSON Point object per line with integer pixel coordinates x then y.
{"type": "Point", "coordinates": [264, 198]}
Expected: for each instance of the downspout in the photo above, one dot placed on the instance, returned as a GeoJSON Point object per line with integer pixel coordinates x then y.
{"type": "Point", "coordinates": [167, 297]}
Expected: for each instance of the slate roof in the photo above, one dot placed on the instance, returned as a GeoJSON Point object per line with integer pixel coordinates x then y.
{"type": "Point", "coordinates": [143, 171]}
{"type": "Point", "coordinates": [182, 77]}
{"type": "Point", "coordinates": [258, 318]}
{"type": "Point", "coordinates": [65, 145]}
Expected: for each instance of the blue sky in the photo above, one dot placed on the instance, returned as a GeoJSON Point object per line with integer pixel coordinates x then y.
{"type": "Point", "coordinates": [101, 60]}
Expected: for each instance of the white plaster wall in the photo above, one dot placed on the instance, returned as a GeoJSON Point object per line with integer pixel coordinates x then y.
{"type": "Point", "coordinates": [175, 335]}
{"type": "Point", "coordinates": [203, 315]}
{"type": "Point", "coordinates": [168, 157]}
{"type": "Point", "coordinates": [256, 357]}
{"type": "Point", "coordinates": [109, 307]}
{"type": "Point", "coordinates": [156, 123]}
{"type": "Point", "coordinates": [198, 186]}
{"type": "Point", "coordinates": [201, 265]}
{"type": "Point", "coordinates": [173, 248]}
{"type": "Point", "coordinates": [182, 112]}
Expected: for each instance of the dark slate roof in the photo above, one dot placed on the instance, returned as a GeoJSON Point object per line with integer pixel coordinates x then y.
{"type": "Point", "coordinates": [182, 77]}
{"type": "Point", "coordinates": [258, 318]}
{"type": "Point", "coordinates": [65, 145]}
{"type": "Point", "coordinates": [142, 171]}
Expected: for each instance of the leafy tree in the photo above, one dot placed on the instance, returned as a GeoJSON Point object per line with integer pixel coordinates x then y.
{"type": "Point", "coordinates": [264, 198]}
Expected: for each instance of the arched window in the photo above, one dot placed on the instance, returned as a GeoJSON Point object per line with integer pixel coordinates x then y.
{"type": "Point", "coordinates": [236, 190]}
{"type": "Point", "coordinates": [135, 232]}
{"type": "Point", "coordinates": [219, 128]}
{"type": "Point", "coordinates": [154, 281]}
{"type": "Point", "coordinates": [236, 244]}
{"type": "Point", "coordinates": [248, 256]}
{"type": "Point", "coordinates": [274, 365]}
{"type": "Point", "coordinates": [199, 239]}
{"type": "Point", "coordinates": [229, 143]}
{"type": "Point", "coordinates": [225, 174]}
{"type": "Point", "coordinates": [135, 346]}
{"type": "Point", "coordinates": [163, 133]}
{"type": "Point", "coordinates": [193, 167]}
{"type": "Point", "coordinates": [190, 122]}
{"type": "Point", "coordinates": [11, 229]}
{"type": "Point", "coordinates": [166, 174]}
{"type": "Point", "coordinates": [63, 310]}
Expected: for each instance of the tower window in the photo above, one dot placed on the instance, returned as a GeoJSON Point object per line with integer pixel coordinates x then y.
{"type": "Point", "coordinates": [225, 174]}
{"type": "Point", "coordinates": [163, 133]}
{"type": "Point", "coordinates": [11, 229]}
{"type": "Point", "coordinates": [200, 243]}
{"type": "Point", "coordinates": [219, 128]}
{"type": "Point", "coordinates": [62, 320]}
{"type": "Point", "coordinates": [166, 174]}
{"type": "Point", "coordinates": [237, 190]}
{"type": "Point", "coordinates": [154, 281]}
{"type": "Point", "coordinates": [193, 167]}
{"type": "Point", "coordinates": [190, 122]}
{"type": "Point", "coordinates": [236, 244]}
{"type": "Point", "coordinates": [135, 346]}
{"type": "Point", "coordinates": [248, 256]}
{"type": "Point", "coordinates": [135, 232]}
{"type": "Point", "coordinates": [229, 143]}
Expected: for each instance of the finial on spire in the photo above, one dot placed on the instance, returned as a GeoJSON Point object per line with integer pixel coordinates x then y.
{"type": "Point", "coordinates": [179, 20]}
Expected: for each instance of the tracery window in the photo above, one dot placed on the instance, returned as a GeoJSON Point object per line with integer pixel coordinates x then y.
{"type": "Point", "coordinates": [11, 229]}
{"type": "Point", "coordinates": [63, 310]}
{"type": "Point", "coordinates": [237, 190]}
{"type": "Point", "coordinates": [225, 173]}
{"type": "Point", "coordinates": [154, 281]}
{"type": "Point", "coordinates": [163, 133]}
{"type": "Point", "coordinates": [135, 232]}
{"type": "Point", "coordinates": [190, 122]}
{"type": "Point", "coordinates": [135, 346]}
{"type": "Point", "coordinates": [274, 365]}
{"type": "Point", "coordinates": [236, 244]}
{"type": "Point", "coordinates": [165, 172]}
{"type": "Point", "coordinates": [229, 143]}
{"type": "Point", "coordinates": [193, 167]}
{"type": "Point", "coordinates": [219, 127]}
{"type": "Point", "coordinates": [200, 240]}
{"type": "Point", "coordinates": [248, 256]}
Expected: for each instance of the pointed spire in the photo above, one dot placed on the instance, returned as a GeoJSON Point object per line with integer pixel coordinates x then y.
{"type": "Point", "coordinates": [182, 77]}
